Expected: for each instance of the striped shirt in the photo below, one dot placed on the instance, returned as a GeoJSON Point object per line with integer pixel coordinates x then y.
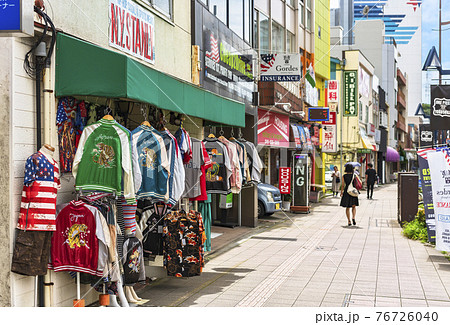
{"type": "Point", "coordinates": [41, 184]}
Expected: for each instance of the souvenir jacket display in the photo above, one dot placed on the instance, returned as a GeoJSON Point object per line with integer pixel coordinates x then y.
{"type": "Point", "coordinates": [133, 261]}
{"type": "Point", "coordinates": [185, 144]}
{"type": "Point", "coordinates": [103, 153]}
{"type": "Point", "coordinates": [153, 163]}
{"type": "Point", "coordinates": [79, 242]}
{"type": "Point", "coordinates": [40, 188]}
{"type": "Point", "coordinates": [183, 243]}
{"type": "Point", "coordinates": [218, 176]}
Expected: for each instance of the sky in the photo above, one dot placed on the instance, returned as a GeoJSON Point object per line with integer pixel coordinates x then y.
{"type": "Point", "coordinates": [430, 21]}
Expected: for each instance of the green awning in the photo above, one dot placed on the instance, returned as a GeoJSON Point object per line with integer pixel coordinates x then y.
{"type": "Point", "coordinates": [84, 69]}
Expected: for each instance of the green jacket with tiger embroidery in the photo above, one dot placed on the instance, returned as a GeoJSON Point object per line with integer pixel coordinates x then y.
{"type": "Point", "coordinates": [103, 153]}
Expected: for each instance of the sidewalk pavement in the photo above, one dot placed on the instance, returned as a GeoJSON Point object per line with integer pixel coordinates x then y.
{"type": "Point", "coordinates": [316, 260]}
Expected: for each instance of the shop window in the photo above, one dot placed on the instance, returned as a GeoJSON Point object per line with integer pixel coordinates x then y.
{"type": "Point", "coordinates": [290, 43]}
{"type": "Point", "coordinates": [263, 33]}
{"type": "Point", "coordinates": [219, 9]}
{"type": "Point", "coordinates": [163, 6]}
{"type": "Point", "coordinates": [308, 15]}
{"type": "Point", "coordinates": [367, 114]}
{"type": "Point", "coordinates": [291, 3]}
{"type": "Point", "coordinates": [277, 11]}
{"type": "Point", "coordinates": [301, 12]}
{"type": "Point", "coordinates": [290, 19]}
{"type": "Point", "coordinates": [236, 17]}
{"type": "Point", "coordinates": [277, 38]}
{"type": "Point", "coordinates": [360, 112]}
{"type": "Point", "coordinates": [263, 5]}
{"type": "Point", "coordinates": [247, 21]}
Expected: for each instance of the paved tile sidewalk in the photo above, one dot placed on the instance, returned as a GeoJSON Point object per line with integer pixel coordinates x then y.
{"type": "Point", "coordinates": [316, 260]}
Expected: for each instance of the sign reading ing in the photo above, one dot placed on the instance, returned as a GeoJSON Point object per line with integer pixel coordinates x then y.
{"type": "Point", "coordinates": [285, 180]}
{"type": "Point", "coordinates": [333, 91]}
{"type": "Point", "coordinates": [300, 180]}
{"type": "Point", "coordinates": [280, 67]}
{"type": "Point", "coordinates": [350, 93]}
{"type": "Point", "coordinates": [132, 29]}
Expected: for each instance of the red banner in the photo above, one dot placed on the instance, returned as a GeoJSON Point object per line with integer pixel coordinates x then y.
{"type": "Point", "coordinates": [285, 180]}
{"type": "Point", "coordinates": [273, 129]}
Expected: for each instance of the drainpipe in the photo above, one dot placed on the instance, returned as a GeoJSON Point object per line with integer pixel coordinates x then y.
{"type": "Point", "coordinates": [40, 54]}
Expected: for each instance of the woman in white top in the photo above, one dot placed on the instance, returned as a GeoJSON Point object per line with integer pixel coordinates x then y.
{"type": "Point", "coordinates": [335, 184]}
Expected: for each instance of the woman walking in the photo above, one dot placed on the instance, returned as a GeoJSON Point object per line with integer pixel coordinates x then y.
{"type": "Point", "coordinates": [348, 201]}
{"type": "Point", "coordinates": [336, 182]}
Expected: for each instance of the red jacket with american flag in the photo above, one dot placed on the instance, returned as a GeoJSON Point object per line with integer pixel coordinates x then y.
{"type": "Point", "coordinates": [41, 184]}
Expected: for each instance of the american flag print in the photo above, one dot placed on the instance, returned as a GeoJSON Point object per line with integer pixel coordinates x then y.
{"type": "Point", "coordinates": [267, 60]}
{"type": "Point", "coordinates": [41, 184]}
{"type": "Point", "coordinates": [214, 53]}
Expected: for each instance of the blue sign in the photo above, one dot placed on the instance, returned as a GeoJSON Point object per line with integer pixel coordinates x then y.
{"type": "Point", "coordinates": [10, 15]}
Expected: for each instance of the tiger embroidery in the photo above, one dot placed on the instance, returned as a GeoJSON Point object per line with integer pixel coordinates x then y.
{"type": "Point", "coordinates": [103, 155]}
{"type": "Point", "coordinates": [75, 236]}
{"type": "Point", "coordinates": [149, 158]}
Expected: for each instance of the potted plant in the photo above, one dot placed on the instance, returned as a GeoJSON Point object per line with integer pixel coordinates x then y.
{"type": "Point", "coordinates": [287, 199]}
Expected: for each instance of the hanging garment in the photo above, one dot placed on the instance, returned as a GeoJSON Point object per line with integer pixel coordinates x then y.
{"type": "Point", "coordinates": [41, 184]}
{"type": "Point", "coordinates": [206, 164]}
{"type": "Point", "coordinates": [205, 210]}
{"type": "Point", "coordinates": [193, 171]}
{"type": "Point", "coordinates": [75, 243]}
{"type": "Point", "coordinates": [243, 160]}
{"type": "Point", "coordinates": [179, 173]}
{"type": "Point", "coordinates": [236, 176]}
{"type": "Point", "coordinates": [185, 144]}
{"type": "Point", "coordinates": [133, 262]}
{"type": "Point", "coordinates": [217, 177]}
{"type": "Point", "coordinates": [153, 162]}
{"type": "Point", "coordinates": [256, 164]}
{"type": "Point", "coordinates": [102, 155]}
{"type": "Point", "coordinates": [183, 244]}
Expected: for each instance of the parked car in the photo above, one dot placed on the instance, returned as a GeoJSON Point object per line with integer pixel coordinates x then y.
{"type": "Point", "coordinates": [269, 199]}
{"type": "Point", "coordinates": [328, 179]}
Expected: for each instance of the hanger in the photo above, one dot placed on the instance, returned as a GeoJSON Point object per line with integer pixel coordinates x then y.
{"type": "Point", "coordinates": [108, 112]}
{"type": "Point", "coordinates": [145, 115]}
{"type": "Point", "coordinates": [49, 147]}
{"type": "Point", "coordinates": [232, 135]}
{"type": "Point", "coordinates": [211, 135]}
{"type": "Point", "coordinates": [221, 133]}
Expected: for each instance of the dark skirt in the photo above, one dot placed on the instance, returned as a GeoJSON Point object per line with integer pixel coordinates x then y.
{"type": "Point", "coordinates": [347, 201]}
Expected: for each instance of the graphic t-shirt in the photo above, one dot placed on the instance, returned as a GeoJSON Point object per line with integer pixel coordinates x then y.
{"type": "Point", "coordinates": [217, 177]}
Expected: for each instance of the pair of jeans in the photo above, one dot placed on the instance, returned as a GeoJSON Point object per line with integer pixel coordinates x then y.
{"type": "Point", "coordinates": [370, 189]}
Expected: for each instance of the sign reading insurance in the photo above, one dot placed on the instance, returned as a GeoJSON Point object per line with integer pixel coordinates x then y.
{"type": "Point", "coordinates": [440, 108]}
{"type": "Point", "coordinates": [273, 129]}
{"type": "Point", "coordinates": [280, 67]}
{"type": "Point", "coordinates": [132, 29]}
{"type": "Point", "coordinates": [351, 93]}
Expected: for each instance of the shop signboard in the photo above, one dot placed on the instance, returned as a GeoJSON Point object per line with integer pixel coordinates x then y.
{"type": "Point", "coordinates": [425, 136]}
{"type": "Point", "coordinates": [273, 129]}
{"type": "Point", "coordinates": [333, 91]}
{"type": "Point", "coordinates": [440, 107]}
{"type": "Point", "coordinates": [329, 142]}
{"type": "Point", "coordinates": [318, 114]}
{"type": "Point", "coordinates": [364, 83]}
{"type": "Point", "coordinates": [226, 66]}
{"type": "Point", "coordinates": [285, 180]}
{"type": "Point", "coordinates": [16, 18]}
{"type": "Point", "coordinates": [311, 94]}
{"type": "Point", "coordinates": [302, 134]}
{"type": "Point", "coordinates": [300, 181]}
{"type": "Point", "coordinates": [280, 67]}
{"type": "Point", "coordinates": [351, 93]}
{"type": "Point", "coordinates": [132, 29]}
{"type": "Point", "coordinates": [371, 129]}
{"type": "Point", "coordinates": [439, 163]}
{"type": "Point", "coordinates": [427, 192]}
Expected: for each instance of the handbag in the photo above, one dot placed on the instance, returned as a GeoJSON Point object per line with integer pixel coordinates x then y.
{"type": "Point", "coordinates": [358, 183]}
{"type": "Point", "coordinates": [338, 179]}
{"type": "Point", "coordinates": [351, 190]}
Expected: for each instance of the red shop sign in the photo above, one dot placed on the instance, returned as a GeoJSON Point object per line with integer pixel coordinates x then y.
{"type": "Point", "coordinates": [273, 129]}
{"type": "Point", "coordinates": [285, 180]}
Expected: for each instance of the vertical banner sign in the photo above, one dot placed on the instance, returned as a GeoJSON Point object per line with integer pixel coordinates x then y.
{"type": "Point", "coordinates": [296, 135]}
{"type": "Point", "coordinates": [351, 93]}
{"type": "Point", "coordinates": [427, 192]}
{"type": "Point", "coordinates": [425, 136]}
{"type": "Point", "coordinates": [333, 91]}
{"type": "Point", "coordinates": [440, 108]}
{"type": "Point", "coordinates": [300, 181]}
{"type": "Point", "coordinates": [285, 180]}
{"type": "Point", "coordinates": [329, 142]}
{"type": "Point", "coordinates": [439, 163]}
{"type": "Point", "coordinates": [132, 29]}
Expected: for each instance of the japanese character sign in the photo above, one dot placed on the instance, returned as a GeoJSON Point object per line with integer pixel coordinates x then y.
{"type": "Point", "coordinates": [350, 93]}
